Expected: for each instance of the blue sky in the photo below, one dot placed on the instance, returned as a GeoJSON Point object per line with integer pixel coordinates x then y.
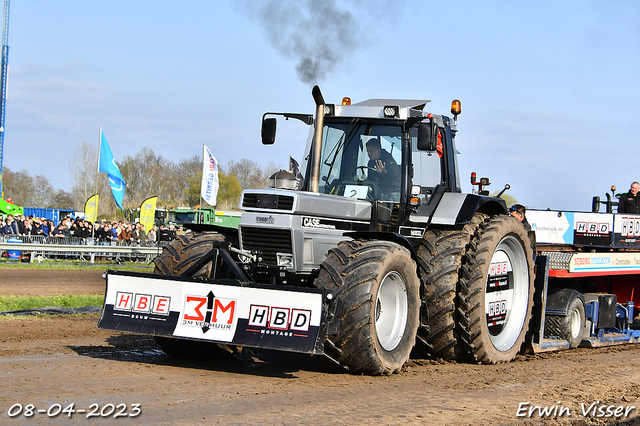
{"type": "Point", "coordinates": [549, 89]}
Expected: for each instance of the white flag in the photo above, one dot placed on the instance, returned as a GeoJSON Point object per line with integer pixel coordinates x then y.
{"type": "Point", "coordinates": [209, 189]}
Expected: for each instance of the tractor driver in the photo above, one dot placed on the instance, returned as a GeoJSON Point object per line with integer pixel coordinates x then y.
{"type": "Point", "coordinates": [387, 169]}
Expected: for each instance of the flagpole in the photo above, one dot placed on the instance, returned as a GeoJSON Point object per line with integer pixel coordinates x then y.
{"type": "Point", "coordinates": [93, 228]}
{"type": "Point", "coordinates": [202, 168]}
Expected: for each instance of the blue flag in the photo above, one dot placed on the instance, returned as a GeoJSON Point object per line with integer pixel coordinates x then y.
{"type": "Point", "coordinates": [108, 165]}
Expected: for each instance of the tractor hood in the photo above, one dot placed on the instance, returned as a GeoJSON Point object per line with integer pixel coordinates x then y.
{"type": "Point", "coordinates": [309, 203]}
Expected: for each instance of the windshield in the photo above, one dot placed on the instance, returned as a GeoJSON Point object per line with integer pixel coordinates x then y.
{"type": "Point", "coordinates": [361, 160]}
{"type": "Point", "coordinates": [186, 217]}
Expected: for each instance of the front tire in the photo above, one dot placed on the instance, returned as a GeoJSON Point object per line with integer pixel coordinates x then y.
{"type": "Point", "coordinates": [377, 291]}
{"type": "Point", "coordinates": [496, 291]}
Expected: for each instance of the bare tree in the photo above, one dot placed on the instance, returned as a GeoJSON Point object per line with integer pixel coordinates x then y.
{"type": "Point", "coordinates": [84, 168]}
{"type": "Point", "coordinates": [17, 186]}
{"type": "Point", "coordinates": [62, 199]}
{"type": "Point", "coordinates": [41, 192]}
{"type": "Point", "coordinates": [250, 174]}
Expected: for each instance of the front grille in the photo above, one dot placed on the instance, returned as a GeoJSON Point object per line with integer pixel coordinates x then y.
{"type": "Point", "coordinates": [268, 201]}
{"type": "Point", "coordinates": [268, 240]}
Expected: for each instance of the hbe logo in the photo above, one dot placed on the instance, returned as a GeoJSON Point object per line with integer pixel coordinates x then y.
{"type": "Point", "coordinates": [142, 303]}
{"type": "Point", "coordinates": [498, 268]}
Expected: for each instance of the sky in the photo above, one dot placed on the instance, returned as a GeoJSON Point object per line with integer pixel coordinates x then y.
{"type": "Point", "coordinates": [549, 89]}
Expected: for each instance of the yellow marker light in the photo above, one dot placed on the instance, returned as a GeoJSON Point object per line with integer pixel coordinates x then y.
{"type": "Point", "coordinates": [613, 188]}
{"type": "Point", "coordinates": [346, 101]}
{"type": "Point", "coordinates": [456, 107]}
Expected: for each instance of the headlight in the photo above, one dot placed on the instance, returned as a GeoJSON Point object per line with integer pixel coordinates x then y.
{"type": "Point", "coordinates": [285, 259]}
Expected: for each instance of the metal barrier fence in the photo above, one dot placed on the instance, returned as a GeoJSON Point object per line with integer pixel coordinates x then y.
{"type": "Point", "coordinates": [72, 248]}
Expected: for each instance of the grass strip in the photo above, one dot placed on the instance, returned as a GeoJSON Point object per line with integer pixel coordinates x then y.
{"type": "Point", "coordinates": [139, 267]}
{"type": "Point", "coordinates": [14, 303]}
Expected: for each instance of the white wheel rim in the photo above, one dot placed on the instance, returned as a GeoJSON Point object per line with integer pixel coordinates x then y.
{"type": "Point", "coordinates": [576, 324]}
{"type": "Point", "coordinates": [391, 310]}
{"type": "Point", "coordinates": [506, 304]}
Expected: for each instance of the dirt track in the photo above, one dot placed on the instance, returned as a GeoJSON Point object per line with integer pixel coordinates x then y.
{"type": "Point", "coordinates": [64, 360]}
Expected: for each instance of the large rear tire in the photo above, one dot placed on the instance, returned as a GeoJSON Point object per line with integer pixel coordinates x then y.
{"type": "Point", "coordinates": [377, 291]}
{"type": "Point", "coordinates": [176, 258]}
{"type": "Point", "coordinates": [441, 254]}
{"type": "Point", "coordinates": [496, 291]}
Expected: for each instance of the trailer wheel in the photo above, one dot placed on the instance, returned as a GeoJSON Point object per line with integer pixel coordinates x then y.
{"type": "Point", "coordinates": [176, 258]}
{"type": "Point", "coordinates": [496, 291]}
{"type": "Point", "coordinates": [568, 327]}
{"type": "Point", "coordinates": [440, 256]}
{"type": "Point", "coordinates": [377, 291]}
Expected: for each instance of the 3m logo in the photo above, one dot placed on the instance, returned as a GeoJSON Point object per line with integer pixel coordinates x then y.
{"type": "Point", "coordinates": [208, 312]}
{"type": "Point", "coordinates": [592, 228]}
{"type": "Point", "coordinates": [275, 318]}
{"type": "Point", "coordinates": [142, 303]}
{"type": "Point", "coordinates": [630, 227]}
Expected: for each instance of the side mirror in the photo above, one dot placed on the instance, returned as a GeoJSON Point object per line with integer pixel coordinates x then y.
{"type": "Point", "coordinates": [269, 131]}
{"type": "Point", "coordinates": [427, 134]}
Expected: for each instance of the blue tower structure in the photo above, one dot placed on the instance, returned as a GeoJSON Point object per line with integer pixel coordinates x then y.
{"type": "Point", "coordinates": [3, 89]}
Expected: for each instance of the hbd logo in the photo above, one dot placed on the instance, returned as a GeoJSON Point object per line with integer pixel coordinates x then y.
{"type": "Point", "coordinates": [630, 227]}
{"type": "Point", "coordinates": [142, 303]}
{"type": "Point", "coordinates": [218, 312]}
{"type": "Point", "coordinates": [592, 228]}
{"type": "Point", "coordinates": [497, 308]}
{"type": "Point", "coordinates": [279, 318]}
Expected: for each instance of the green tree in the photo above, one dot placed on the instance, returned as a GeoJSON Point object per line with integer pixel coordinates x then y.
{"type": "Point", "coordinates": [509, 199]}
{"type": "Point", "coordinates": [229, 191]}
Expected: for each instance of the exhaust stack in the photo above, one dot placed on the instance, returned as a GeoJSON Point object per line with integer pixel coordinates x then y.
{"type": "Point", "coordinates": [317, 140]}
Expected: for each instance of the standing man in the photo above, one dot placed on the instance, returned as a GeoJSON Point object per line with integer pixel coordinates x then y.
{"type": "Point", "coordinates": [519, 212]}
{"type": "Point", "coordinates": [630, 202]}
{"type": "Point", "coordinates": [10, 228]}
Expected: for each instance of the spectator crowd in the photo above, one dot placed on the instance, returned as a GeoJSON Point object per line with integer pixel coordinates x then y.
{"type": "Point", "coordinates": [105, 232]}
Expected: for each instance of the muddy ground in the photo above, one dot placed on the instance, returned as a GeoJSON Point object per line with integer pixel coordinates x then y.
{"type": "Point", "coordinates": [67, 360]}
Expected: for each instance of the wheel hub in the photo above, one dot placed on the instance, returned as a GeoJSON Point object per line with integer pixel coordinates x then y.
{"type": "Point", "coordinates": [507, 293]}
{"type": "Point", "coordinates": [391, 310]}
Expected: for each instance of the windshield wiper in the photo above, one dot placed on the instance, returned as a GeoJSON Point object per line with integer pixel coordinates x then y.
{"type": "Point", "coordinates": [346, 136]}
